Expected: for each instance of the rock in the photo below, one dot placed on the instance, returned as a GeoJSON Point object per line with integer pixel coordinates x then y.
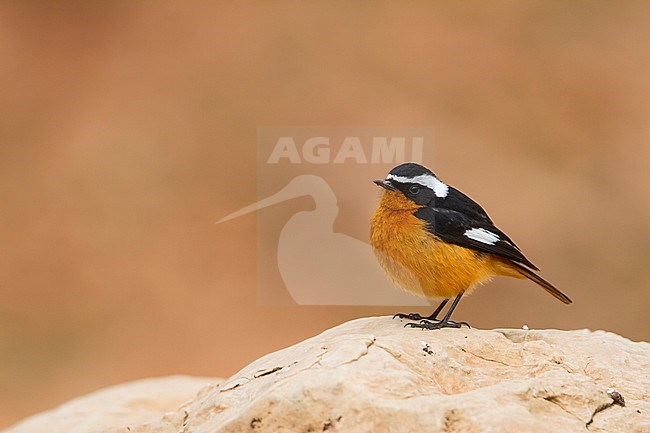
{"type": "Point", "coordinates": [373, 375]}
{"type": "Point", "coordinates": [121, 405]}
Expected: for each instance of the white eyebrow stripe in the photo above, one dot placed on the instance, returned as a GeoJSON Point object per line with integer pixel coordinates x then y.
{"type": "Point", "coordinates": [482, 235]}
{"type": "Point", "coordinates": [439, 188]}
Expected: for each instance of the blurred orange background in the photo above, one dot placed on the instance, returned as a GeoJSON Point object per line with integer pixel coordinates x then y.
{"type": "Point", "coordinates": [128, 128]}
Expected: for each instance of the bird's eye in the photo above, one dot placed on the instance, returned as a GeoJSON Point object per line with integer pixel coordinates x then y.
{"type": "Point", "coordinates": [414, 189]}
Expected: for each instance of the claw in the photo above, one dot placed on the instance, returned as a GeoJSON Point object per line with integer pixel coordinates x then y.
{"type": "Point", "coordinates": [411, 325]}
{"type": "Point", "coordinates": [410, 316]}
{"type": "Point", "coordinates": [426, 324]}
{"type": "Point", "coordinates": [432, 322]}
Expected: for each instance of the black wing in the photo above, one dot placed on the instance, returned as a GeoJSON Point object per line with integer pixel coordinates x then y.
{"type": "Point", "coordinates": [456, 200]}
{"type": "Point", "coordinates": [452, 226]}
{"type": "Point", "coordinates": [459, 202]}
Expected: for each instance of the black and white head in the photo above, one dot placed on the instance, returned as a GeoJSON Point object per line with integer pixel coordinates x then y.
{"type": "Point", "coordinates": [416, 182]}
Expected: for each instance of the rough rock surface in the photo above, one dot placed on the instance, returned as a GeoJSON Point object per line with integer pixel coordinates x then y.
{"type": "Point", "coordinates": [373, 375]}
{"type": "Point", "coordinates": [132, 403]}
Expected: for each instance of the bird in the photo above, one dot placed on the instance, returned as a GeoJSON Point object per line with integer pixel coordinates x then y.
{"type": "Point", "coordinates": [436, 242]}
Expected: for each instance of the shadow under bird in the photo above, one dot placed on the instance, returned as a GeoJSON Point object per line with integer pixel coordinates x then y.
{"type": "Point", "coordinates": [434, 241]}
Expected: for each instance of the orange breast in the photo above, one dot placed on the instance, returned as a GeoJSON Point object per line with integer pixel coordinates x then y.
{"type": "Point", "coordinates": [421, 263]}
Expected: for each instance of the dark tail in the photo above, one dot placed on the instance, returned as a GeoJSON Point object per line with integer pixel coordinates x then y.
{"type": "Point", "coordinates": [542, 282]}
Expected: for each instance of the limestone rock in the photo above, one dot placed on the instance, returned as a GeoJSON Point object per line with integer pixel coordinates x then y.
{"type": "Point", "coordinates": [373, 375]}
{"type": "Point", "coordinates": [132, 403]}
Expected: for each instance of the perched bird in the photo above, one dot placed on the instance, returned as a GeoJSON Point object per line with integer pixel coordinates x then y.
{"type": "Point", "coordinates": [436, 242]}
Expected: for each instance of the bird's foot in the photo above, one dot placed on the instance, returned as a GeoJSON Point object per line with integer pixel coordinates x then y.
{"type": "Point", "coordinates": [410, 316]}
{"type": "Point", "coordinates": [427, 324]}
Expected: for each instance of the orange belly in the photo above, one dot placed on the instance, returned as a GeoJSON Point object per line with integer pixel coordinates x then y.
{"type": "Point", "coordinates": [421, 263]}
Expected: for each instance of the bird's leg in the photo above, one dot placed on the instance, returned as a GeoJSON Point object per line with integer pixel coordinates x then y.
{"type": "Point", "coordinates": [444, 323]}
{"type": "Point", "coordinates": [416, 316]}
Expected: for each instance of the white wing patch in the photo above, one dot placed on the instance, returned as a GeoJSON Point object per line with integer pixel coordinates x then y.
{"type": "Point", "coordinates": [439, 188]}
{"type": "Point", "coordinates": [482, 235]}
